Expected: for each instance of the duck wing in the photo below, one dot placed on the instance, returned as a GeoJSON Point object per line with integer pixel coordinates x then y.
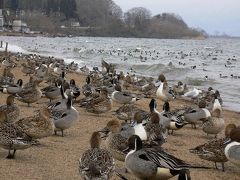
{"type": "Point", "coordinates": [163, 159]}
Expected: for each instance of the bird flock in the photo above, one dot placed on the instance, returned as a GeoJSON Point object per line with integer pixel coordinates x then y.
{"type": "Point", "coordinates": [134, 135]}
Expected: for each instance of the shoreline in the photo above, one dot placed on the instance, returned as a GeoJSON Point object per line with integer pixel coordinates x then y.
{"type": "Point", "coordinates": [61, 58]}
{"type": "Point", "coordinates": [57, 157]}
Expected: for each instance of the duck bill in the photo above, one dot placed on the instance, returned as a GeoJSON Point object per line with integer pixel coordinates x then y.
{"type": "Point", "coordinates": [227, 141]}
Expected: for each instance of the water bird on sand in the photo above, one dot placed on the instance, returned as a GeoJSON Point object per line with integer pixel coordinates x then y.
{"type": "Point", "coordinates": [96, 163]}
{"type": "Point", "coordinates": [152, 163]}
{"type": "Point", "coordinates": [12, 110]}
{"type": "Point", "coordinates": [12, 137]}
{"type": "Point", "coordinates": [233, 147]}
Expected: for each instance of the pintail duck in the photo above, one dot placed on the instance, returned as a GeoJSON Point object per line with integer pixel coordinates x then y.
{"type": "Point", "coordinates": [88, 89]}
{"type": "Point", "coordinates": [128, 111]}
{"type": "Point", "coordinates": [64, 118]}
{"type": "Point", "coordinates": [151, 163]}
{"type": "Point", "coordinates": [12, 137]}
{"type": "Point", "coordinates": [164, 92]}
{"type": "Point", "coordinates": [38, 126]}
{"type": "Point", "coordinates": [195, 115]}
{"type": "Point", "coordinates": [96, 163]}
{"type": "Point", "coordinates": [233, 147]}
{"type": "Point", "coordinates": [149, 89]}
{"type": "Point", "coordinates": [52, 92]}
{"type": "Point", "coordinates": [155, 132]}
{"type": "Point", "coordinates": [11, 110]}
{"type": "Point", "coordinates": [176, 117]}
{"type": "Point", "coordinates": [214, 149]}
{"type": "Point", "coordinates": [100, 104]}
{"type": "Point", "coordinates": [123, 97]}
{"type": "Point", "coordinates": [115, 141]}
{"type": "Point", "coordinates": [27, 70]}
{"type": "Point", "coordinates": [73, 90]}
{"type": "Point", "coordinates": [214, 124]}
{"type": "Point", "coordinates": [179, 88]}
{"type": "Point", "coordinates": [30, 95]}
{"type": "Point", "coordinates": [216, 102]}
{"type": "Point", "coordinates": [15, 88]}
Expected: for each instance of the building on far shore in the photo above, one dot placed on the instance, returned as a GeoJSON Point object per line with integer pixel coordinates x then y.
{"type": "Point", "coordinates": [20, 26]}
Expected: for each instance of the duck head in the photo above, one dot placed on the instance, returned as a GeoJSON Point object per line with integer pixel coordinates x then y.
{"type": "Point", "coordinates": [134, 143]}
{"type": "Point", "coordinates": [113, 126]}
{"type": "Point", "coordinates": [95, 140]}
{"type": "Point", "coordinates": [166, 107]}
{"type": "Point", "coordinates": [10, 100]}
{"type": "Point", "coordinates": [152, 105]}
{"type": "Point", "coordinates": [228, 129]}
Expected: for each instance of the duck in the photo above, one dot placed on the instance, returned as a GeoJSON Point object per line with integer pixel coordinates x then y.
{"type": "Point", "coordinates": [73, 90]}
{"type": "Point", "coordinates": [152, 163]}
{"type": "Point", "coordinates": [214, 149]}
{"type": "Point", "coordinates": [12, 110]}
{"type": "Point", "coordinates": [149, 89]}
{"type": "Point", "coordinates": [52, 92]}
{"type": "Point", "coordinates": [216, 103]}
{"type": "Point", "coordinates": [115, 140]}
{"type": "Point", "coordinates": [12, 138]}
{"type": "Point", "coordinates": [123, 97]}
{"type": "Point", "coordinates": [196, 115]}
{"type": "Point", "coordinates": [127, 112]}
{"type": "Point", "coordinates": [96, 163]}
{"type": "Point", "coordinates": [30, 95]}
{"type": "Point", "coordinates": [38, 126]}
{"type": "Point", "coordinates": [164, 92]}
{"type": "Point", "coordinates": [214, 124]}
{"type": "Point", "coordinates": [101, 104]}
{"type": "Point", "coordinates": [27, 70]}
{"type": "Point", "coordinates": [179, 88]}
{"type": "Point", "coordinates": [233, 147]}
{"type": "Point", "coordinates": [88, 89]}
{"type": "Point", "coordinates": [155, 132]}
{"type": "Point", "coordinates": [64, 118]}
{"type": "Point", "coordinates": [15, 88]}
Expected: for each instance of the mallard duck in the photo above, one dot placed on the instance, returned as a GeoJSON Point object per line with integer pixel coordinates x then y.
{"type": "Point", "coordinates": [115, 141]}
{"type": "Point", "coordinates": [13, 138]}
{"type": "Point", "coordinates": [152, 163]}
{"type": "Point", "coordinates": [96, 163]}
{"type": "Point", "coordinates": [64, 118]}
{"type": "Point", "coordinates": [233, 147]}
{"type": "Point", "coordinates": [38, 126]}
{"type": "Point", "coordinates": [214, 124]}
{"type": "Point", "coordinates": [12, 111]}
{"type": "Point", "coordinates": [30, 95]}
{"type": "Point", "coordinates": [100, 104]}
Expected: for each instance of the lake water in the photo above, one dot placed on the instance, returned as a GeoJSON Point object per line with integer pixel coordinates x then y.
{"type": "Point", "coordinates": [191, 60]}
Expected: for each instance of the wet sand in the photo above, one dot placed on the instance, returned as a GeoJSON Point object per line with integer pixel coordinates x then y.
{"type": "Point", "coordinates": [57, 157]}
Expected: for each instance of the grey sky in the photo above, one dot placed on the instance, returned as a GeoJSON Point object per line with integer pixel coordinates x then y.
{"type": "Point", "coordinates": [210, 15]}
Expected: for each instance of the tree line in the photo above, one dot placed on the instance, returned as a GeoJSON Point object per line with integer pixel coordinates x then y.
{"type": "Point", "coordinates": [103, 17]}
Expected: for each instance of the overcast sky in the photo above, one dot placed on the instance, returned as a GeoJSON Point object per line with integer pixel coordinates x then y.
{"type": "Point", "coordinates": [211, 15]}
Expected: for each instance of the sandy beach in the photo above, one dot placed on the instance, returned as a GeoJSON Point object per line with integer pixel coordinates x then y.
{"type": "Point", "coordinates": [57, 157]}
